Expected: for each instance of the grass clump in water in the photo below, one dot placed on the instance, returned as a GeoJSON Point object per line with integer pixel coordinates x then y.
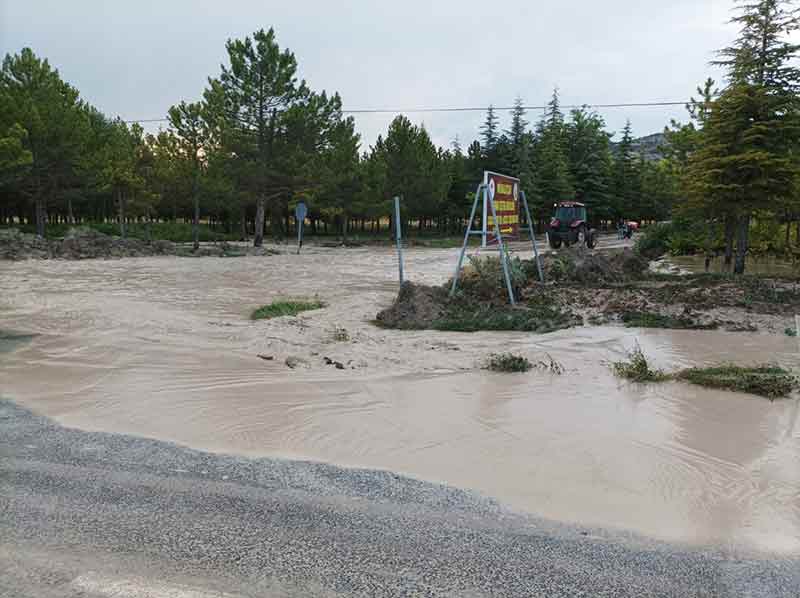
{"type": "Point", "coordinates": [646, 319]}
{"type": "Point", "coordinates": [637, 368]}
{"type": "Point", "coordinates": [790, 332]}
{"type": "Point", "coordinates": [769, 381]}
{"type": "Point", "coordinates": [508, 362]}
{"type": "Point", "coordinates": [276, 309]}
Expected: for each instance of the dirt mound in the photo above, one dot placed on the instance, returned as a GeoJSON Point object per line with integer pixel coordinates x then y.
{"type": "Point", "coordinates": [86, 243]}
{"type": "Point", "coordinates": [82, 243]}
{"type": "Point", "coordinates": [15, 245]}
{"type": "Point", "coordinates": [581, 265]}
{"type": "Point", "coordinates": [416, 307]}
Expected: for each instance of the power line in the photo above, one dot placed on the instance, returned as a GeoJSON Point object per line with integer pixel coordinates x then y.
{"type": "Point", "coordinates": [469, 109]}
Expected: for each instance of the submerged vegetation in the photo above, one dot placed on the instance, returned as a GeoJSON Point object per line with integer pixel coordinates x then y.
{"type": "Point", "coordinates": [769, 381]}
{"type": "Point", "coordinates": [637, 369]}
{"type": "Point", "coordinates": [643, 319]}
{"type": "Point", "coordinates": [276, 309]}
{"type": "Point", "coordinates": [508, 362]}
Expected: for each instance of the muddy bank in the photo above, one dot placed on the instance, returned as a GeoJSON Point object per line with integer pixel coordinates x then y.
{"type": "Point", "coordinates": [86, 243]}
{"type": "Point", "coordinates": [595, 288]}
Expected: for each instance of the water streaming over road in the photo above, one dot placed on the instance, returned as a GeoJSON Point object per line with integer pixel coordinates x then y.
{"type": "Point", "coordinates": [163, 347]}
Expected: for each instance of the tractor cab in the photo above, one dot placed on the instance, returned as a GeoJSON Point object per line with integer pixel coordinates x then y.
{"type": "Point", "coordinates": [569, 225]}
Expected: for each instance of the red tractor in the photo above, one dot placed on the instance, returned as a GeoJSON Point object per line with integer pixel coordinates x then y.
{"type": "Point", "coordinates": [569, 225]}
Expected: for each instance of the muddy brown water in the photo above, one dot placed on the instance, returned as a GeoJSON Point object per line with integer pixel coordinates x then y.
{"type": "Point", "coordinates": [163, 347]}
{"type": "Point", "coordinates": [765, 266]}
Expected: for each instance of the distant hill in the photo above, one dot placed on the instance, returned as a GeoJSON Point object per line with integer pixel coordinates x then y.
{"type": "Point", "coordinates": [647, 146]}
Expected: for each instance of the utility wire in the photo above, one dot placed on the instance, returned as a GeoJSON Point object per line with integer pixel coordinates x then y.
{"type": "Point", "coordinates": [468, 109]}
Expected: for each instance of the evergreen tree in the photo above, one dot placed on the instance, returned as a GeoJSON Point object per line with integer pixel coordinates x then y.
{"type": "Point", "coordinates": [552, 176]}
{"type": "Point", "coordinates": [627, 181]}
{"type": "Point", "coordinates": [187, 123]}
{"type": "Point", "coordinates": [519, 126]}
{"type": "Point", "coordinates": [590, 162]}
{"type": "Point", "coordinates": [36, 100]}
{"type": "Point", "coordinates": [489, 132]}
{"type": "Point", "coordinates": [747, 160]}
{"type": "Point", "coordinates": [260, 85]}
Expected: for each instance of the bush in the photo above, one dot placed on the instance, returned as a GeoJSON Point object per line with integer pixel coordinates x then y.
{"type": "Point", "coordinates": [637, 369]}
{"type": "Point", "coordinates": [508, 362]}
{"type": "Point", "coordinates": [285, 308]}
{"type": "Point", "coordinates": [484, 277]}
{"type": "Point", "coordinates": [654, 241]}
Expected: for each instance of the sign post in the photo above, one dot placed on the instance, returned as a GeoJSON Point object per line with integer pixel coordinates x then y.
{"type": "Point", "coordinates": [398, 237]}
{"type": "Point", "coordinates": [300, 212]}
{"type": "Point", "coordinates": [500, 195]}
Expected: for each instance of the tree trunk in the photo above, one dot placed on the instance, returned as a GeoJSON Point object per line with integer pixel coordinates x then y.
{"type": "Point", "coordinates": [40, 217]}
{"type": "Point", "coordinates": [797, 234]}
{"type": "Point", "coordinates": [196, 223]}
{"type": "Point", "coordinates": [742, 238]}
{"type": "Point", "coordinates": [730, 231]}
{"type": "Point", "coordinates": [70, 215]}
{"type": "Point", "coordinates": [788, 232]}
{"type": "Point", "coordinates": [123, 232]}
{"type": "Point", "coordinates": [258, 239]}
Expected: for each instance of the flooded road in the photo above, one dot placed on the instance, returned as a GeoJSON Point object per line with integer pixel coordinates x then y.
{"type": "Point", "coordinates": [764, 266]}
{"type": "Point", "coordinates": [163, 348]}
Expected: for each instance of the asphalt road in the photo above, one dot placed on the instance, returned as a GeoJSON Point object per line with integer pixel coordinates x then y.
{"type": "Point", "coordinates": [94, 514]}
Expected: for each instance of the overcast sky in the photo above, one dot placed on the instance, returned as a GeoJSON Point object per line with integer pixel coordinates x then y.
{"type": "Point", "coordinates": [136, 59]}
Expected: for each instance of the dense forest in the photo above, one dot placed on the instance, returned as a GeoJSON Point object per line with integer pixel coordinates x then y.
{"type": "Point", "coordinates": [258, 139]}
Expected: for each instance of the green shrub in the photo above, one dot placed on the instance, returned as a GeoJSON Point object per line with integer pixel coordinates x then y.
{"type": "Point", "coordinates": [277, 309]}
{"type": "Point", "coordinates": [508, 362]}
{"type": "Point", "coordinates": [637, 369]}
{"type": "Point", "coordinates": [484, 278]}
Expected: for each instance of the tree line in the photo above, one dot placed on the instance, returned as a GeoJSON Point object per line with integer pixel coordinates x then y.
{"type": "Point", "coordinates": [737, 158]}
{"type": "Point", "coordinates": [259, 139]}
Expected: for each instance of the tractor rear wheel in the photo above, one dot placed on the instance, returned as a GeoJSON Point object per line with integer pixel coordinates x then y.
{"type": "Point", "coordinates": [591, 239]}
{"type": "Point", "coordinates": [580, 236]}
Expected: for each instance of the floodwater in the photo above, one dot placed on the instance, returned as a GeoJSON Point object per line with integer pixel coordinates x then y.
{"type": "Point", "coordinates": [163, 347]}
{"type": "Point", "coordinates": [765, 266]}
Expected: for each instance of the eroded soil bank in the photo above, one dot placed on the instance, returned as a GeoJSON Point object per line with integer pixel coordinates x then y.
{"type": "Point", "coordinates": [594, 288]}
{"type": "Point", "coordinates": [164, 347]}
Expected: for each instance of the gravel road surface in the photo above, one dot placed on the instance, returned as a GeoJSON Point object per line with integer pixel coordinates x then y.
{"type": "Point", "coordinates": [95, 514]}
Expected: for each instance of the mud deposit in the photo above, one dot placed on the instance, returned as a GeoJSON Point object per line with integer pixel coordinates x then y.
{"type": "Point", "coordinates": [163, 347]}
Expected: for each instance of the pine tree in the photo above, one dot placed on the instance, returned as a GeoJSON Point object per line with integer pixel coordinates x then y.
{"type": "Point", "coordinates": [489, 131]}
{"type": "Point", "coordinates": [590, 162]}
{"type": "Point", "coordinates": [551, 167]}
{"type": "Point", "coordinates": [260, 85]}
{"type": "Point", "coordinates": [627, 181]}
{"type": "Point", "coordinates": [36, 99]}
{"type": "Point", "coordinates": [747, 162]}
{"type": "Point", "coordinates": [519, 126]}
{"type": "Point", "coordinates": [187, 123]}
